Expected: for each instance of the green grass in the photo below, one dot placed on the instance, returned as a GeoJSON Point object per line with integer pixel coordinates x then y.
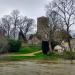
{"type": "Point", "coordinates": [14, 58]}
{"type": "Point", "coordinates": [19, 58]}
{"type": "Point", "coordinates": [41, 56]}
{"type": "Point", "coordinates": [38, 56]}
{"type": "Point", "coordinates": [30, 49]}
{"type": "Point", "coordinates": [51, 56]}
{"type": "Point", "coordinates": [69, 55]}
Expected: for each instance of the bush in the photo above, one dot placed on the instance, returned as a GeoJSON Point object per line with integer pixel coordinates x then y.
{"type": "Point", "coordinates": [4, 46]}
{"type": "Point", "coordinates": [69, 55]}
{"type": "Point", "coordinates": [14, 45]}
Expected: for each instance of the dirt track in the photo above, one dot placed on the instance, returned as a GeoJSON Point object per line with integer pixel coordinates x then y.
{"type": "Point", "coordinates": [28, 54]}
{"type": "Point", "coordinates": [36, 68]}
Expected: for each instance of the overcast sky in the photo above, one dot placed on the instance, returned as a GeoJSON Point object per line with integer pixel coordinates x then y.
{"type": "Point", "coordinates": [29, 8]}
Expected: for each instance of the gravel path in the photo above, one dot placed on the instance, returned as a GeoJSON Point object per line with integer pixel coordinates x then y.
{"type": "Point", "coordinates": [28, 54]}
{"type": "Point", "coordinates": [36, 68]}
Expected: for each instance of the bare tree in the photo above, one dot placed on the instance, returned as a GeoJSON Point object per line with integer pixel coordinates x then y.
{"type": "Point", "coordinates": [15, 21]}
{"type": "Point", "coordinates": [66, 11]}
{"type": "Point", "coordinates": [53, 21]}
{"type": "Point", "coordinates": [6, 22]}
{"type": "Point", "coordinates": [26, 25]}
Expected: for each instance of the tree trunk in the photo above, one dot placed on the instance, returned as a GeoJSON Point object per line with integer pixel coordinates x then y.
{"type": "Point", "coordinates": [50, 47]}
{"type": "Point", "coordinates": [8, 33]}
{"type": "Point", "coordinates": [68, 38]}
{"type": "Point", "coordinates": [69, 44]}
{"type": "Point", "coordinates": [45, 47]}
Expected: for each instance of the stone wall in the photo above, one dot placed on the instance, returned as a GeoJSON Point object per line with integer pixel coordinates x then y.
{"type": "Point", "coordinates": [42, 28]}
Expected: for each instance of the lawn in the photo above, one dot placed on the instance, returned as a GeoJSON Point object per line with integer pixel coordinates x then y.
{"type": "Point", "coordinates": [38, 56]}
{"type": "Point", "coordinates": [51, 56]}
{"type": "Point", "coordinates": [29, 49]}
{"type": "Point", "coordinates": [41, 56]}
